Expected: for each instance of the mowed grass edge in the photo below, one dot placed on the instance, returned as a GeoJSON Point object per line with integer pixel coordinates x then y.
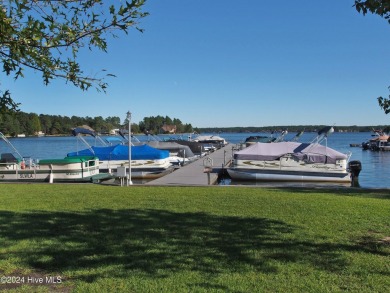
{"type": "Point", "coordinates": [82, 237]}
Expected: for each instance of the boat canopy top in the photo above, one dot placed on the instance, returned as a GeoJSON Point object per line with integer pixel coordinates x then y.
{"type": "Point", "coordinates": [121, 152]}
{"type": "Point", "coordinates": [260, 138]}
{"type": "Point", "coordinates": [182, 150]}
{"type": "Point", "coordinates": [309, 152]}
{"type": "Point", "coordinates": [124, 133]}
{"type": "Point", "coordinates": [81, 130]}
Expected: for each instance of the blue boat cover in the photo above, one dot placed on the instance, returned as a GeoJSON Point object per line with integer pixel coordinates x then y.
{"type": "Point", "coordinates": [121, 152]}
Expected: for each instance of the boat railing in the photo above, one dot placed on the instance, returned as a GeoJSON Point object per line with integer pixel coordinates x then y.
{"type": "Point", "coordinates": [349, 155]}
{"type": "Point", "coordinates": [12, 166]}
{"type": "Point", "coordinates": [9, 165]}
{"type": "Point", "coordinates": [20, 165]}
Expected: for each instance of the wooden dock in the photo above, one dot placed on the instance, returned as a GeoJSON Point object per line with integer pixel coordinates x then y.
{"type": "Point", "coordinates": [194, 173]}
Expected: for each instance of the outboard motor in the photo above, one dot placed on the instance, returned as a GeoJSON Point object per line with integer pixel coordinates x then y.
{"type": "Point", "coordinates": [354, 168]}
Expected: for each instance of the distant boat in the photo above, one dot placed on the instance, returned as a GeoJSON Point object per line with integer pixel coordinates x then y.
{"type": "Point", "coordinates": [213, 139]}
{"type": "Point", "coordinates": [380, 141]}
{"type": "Point", "coordinates": [265, 139]}
{"type": "Point", "coordinates": [258, 138]}
{"type": "Point", "coordinates": [383, 145]}
{"type": "Point", "coordinates": [210, 142]}
{"type": "Point", "coordinates": [271, 138]}
{"type": "Point", "coordinates": [196, 147]}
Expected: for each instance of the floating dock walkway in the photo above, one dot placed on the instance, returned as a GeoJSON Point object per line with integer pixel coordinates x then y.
{"type": "Point", "coordinates": [203, 171]}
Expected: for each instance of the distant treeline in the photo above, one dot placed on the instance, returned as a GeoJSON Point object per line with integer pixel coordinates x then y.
{"type": "Point", "coordinates": [32, 124]}
{"type": "Point", "coordinates": [295, 128]}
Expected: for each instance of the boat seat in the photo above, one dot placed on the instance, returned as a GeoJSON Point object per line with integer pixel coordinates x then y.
{"type": "Point", "coordinates": [8, 158]}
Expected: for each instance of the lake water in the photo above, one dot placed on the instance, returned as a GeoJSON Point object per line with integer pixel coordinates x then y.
{"type": "Point", "coordinates": [375, 172]}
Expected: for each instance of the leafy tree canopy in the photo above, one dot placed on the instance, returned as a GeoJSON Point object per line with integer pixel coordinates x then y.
{"type": "Point", "coordinates": [153, 124]}
{"type": "Point", "coordinates": [46, 35]}
{"type": "Point", "coordinates": [381, 8]}
{"type": "Point", "coordinates": [31, 123]}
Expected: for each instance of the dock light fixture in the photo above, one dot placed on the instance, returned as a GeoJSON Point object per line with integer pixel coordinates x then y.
{"type": "Point", "coordinates": [128, 115]}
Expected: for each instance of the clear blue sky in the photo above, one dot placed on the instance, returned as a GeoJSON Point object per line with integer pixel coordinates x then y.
{"type": "Point", "coordinates": [234, 63]}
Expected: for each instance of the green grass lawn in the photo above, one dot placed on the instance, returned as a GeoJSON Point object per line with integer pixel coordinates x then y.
{"type": "Point", "coordinates": [93, 238]}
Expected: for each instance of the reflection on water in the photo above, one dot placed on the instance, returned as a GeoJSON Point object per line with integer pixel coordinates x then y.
{"type": "Point", "coordinates": [376, 169]}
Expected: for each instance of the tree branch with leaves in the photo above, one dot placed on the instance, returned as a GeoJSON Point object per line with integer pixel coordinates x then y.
{"type": "Point", "coordinates": [381, 8]}
{"type": "Point", "coordinates": [46, 36]}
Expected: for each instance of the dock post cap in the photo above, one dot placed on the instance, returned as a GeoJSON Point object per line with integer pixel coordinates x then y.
{"type": "Point", "coordinates": [208, 162]}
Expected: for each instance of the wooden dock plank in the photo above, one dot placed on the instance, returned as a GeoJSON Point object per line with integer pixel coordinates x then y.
{"type": "Point", "coordinates": [193, 173]}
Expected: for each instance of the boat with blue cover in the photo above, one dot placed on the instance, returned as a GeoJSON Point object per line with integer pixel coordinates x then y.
{"type": "Point", "coordinates": [146, 162]}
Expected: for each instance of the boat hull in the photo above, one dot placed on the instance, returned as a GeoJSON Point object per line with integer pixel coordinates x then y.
{"type": "Point", "coordinates": [290, 161]}
{"type": "Point", "coordinates": [150, 174]}
{"type": "Point", "coordinates": [35, 175]}
{"type": "Point", "coordinates": [289, 176]}
{"type": "Point", "coordinates": [140, 169]}
{"type": "Point", "coordinates": [56, 170]}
